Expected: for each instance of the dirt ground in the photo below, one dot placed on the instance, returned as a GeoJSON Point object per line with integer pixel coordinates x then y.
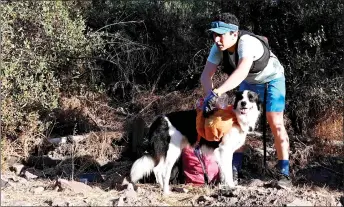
{"type": "Point", "coordinates": [40, 192]}
{"type": "Point", "coordinates": [45, 181]}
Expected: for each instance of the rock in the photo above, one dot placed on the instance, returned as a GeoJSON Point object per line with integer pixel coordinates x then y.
{"type": "Point", "coordinates": [59, 202]}
{"type": "Point", "coordinates": [14, 179]}
{"type": "Point", "coordinates": [260, 191]}
{"type": "Point", "coordinates": [130, 192]}
{"type": "Point", "coordinates": [22, 203]}
{"type": "Point", "coordinates": [120, 201]}
{"type": "Point", "coordinates": [11, 160]}
{"type": "Point", "coordinates": [256, 182]}
{"type": "Point", "coordinates": [77, 187]}
{"type": "Point", "coordinates": [227, 193]}
{"type": "Point", "coordinates": [180, 190]}
{"type": "Point", "coordinates": [18, 179]}
{"type": "Point", "coordinates": [204, 199]}
{"type": "Point", "coordinates": [29, 175]}
{"type": "Point", "coordinates": [233, 201]}
{"type": "Point", "coordinates": [299, 202]}
{"type": "Point", "coordinates": [331, 201]}
{"type": "Point", "coordinates": [139, 190]}
{"type": "Point", "coordinates": [125, 184]}
{"type": "Point", "coordinates": [128, 197]}
{"type": "Point", "coordinates": [274, 201]}
{"type": "Point", "coordinates": [342, 200]}
{"type": "Point", "coordinates": [36, 172]}
{"type": "Point", "coordinates": [37, 190]}
{"type": "Point", "coordinates": [4, 184]}
{"type": "Point", "coordinates": [17, 168]}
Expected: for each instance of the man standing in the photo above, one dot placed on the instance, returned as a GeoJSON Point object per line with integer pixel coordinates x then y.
{"type": "Point", "coordinates": [248, 61]}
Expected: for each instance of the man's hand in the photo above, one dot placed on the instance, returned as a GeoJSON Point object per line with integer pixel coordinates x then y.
{"type": "Point", "coordinates": [209, 104]}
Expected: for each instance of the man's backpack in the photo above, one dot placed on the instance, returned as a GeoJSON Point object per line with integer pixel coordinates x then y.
{"type": "Point", "coordinates": [230, 60]}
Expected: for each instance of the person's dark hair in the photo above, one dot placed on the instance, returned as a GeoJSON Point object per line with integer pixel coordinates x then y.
{"type": "Point", "coordinates": [227, 18]}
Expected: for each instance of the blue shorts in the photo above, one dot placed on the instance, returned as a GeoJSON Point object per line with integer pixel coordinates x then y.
{"type": "Point", "coordinates": [275, 101]}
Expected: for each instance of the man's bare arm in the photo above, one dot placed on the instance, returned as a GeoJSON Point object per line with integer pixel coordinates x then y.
{"type": "Point", "coordinates": [238, 75]}
{"type": "Point", "coordinates": [206, 77]}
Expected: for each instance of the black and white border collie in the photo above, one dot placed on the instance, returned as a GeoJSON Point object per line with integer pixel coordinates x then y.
{"type": "Point", "coordinates": [170, 133]}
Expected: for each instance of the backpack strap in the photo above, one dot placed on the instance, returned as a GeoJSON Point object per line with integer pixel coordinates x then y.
{"type": "Point", "coordinates": [230, 60]}
{"type": "Point", "coordinates": [264, 40]}
{"type": "Point", "coordinates": [198, 154]}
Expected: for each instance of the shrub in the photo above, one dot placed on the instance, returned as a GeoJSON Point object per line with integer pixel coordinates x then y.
{"type": "Point", "coordinates": [157, 47]}
{"type": "Point", "coordinates": [305, 36]}
{"type": "Point", "coordinates": [39, 41]}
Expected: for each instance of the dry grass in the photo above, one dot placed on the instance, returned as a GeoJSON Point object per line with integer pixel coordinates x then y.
{"type": "Point", "coordinates": [99, 145]}
{"type": "Point", "coordinates": [149, 104]}
{"type": "Point", "coordinates": [88, 114]}
{"type": "Point", "coordinates": [3, 153]}
{"type": "Point", "coordinates": [330, 126]}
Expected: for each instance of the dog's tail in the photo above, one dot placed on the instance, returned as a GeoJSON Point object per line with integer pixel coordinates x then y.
{"type": "Point", "coordinates": [141, 167]}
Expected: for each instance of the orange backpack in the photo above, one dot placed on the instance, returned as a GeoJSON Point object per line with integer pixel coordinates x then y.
{"type": "Point", "coordinates": [216, 125]}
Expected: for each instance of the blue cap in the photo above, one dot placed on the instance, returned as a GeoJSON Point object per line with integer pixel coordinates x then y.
{"type": "Point", "coordinates": [222, 28]}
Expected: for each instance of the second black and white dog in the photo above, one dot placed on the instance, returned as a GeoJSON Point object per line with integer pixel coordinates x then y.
{"type": "Point", "coordinates": [170, 133]}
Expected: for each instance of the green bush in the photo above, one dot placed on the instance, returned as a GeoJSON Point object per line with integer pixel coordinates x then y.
{"type": "Point", "coordinates": [170, 41]}
{"type": "Point", "coordinates": [128, 47]}
{"type": "Point", "coordinates": [40, 45]}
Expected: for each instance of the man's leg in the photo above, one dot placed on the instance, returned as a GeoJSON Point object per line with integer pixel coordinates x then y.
{"type": "Point", "coordinates": [281, 140]}
{"type": "Point", "coordinates": [275, 106]}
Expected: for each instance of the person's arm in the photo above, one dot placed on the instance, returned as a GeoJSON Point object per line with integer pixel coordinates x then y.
{"type": "Point", "coordinates": [238, 75]}
{"type": "Point", "coordinates": [206, 77]}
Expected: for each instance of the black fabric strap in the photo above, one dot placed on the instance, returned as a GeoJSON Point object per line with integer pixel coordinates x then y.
{"type": "Point", "coordinates": [264, 120]}
{"type": "Point", "coordinates": [197, 151]}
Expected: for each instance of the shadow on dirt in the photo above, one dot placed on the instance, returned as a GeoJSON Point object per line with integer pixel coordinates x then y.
{"type": "Point", "coordinates": [309, 166]}
{"type": "Point", "coordinates": [311, 170]}
{"type": "Point", "coordinates": [323, 171]}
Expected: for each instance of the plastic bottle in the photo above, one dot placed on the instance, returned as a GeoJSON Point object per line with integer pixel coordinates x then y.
{"type": "Point", "coordinates": [222, 101]}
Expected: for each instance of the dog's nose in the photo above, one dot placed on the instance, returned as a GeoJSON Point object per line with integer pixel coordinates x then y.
{"type": "Point", "coordinates": [243, 103]}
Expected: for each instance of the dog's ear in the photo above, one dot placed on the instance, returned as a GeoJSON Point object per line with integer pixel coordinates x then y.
{"type": "Point", "coordinates": [259, 103]}
{"type": "Point", "coordinates": [255, 97]}
{"type": "Point", "coordinates": [238, 97]}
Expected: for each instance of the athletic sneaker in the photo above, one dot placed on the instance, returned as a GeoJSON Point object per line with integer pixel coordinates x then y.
{"type": "Point", "coordinates": [284, 181]}
{"type": "Point", "coordinates": [237, 176]}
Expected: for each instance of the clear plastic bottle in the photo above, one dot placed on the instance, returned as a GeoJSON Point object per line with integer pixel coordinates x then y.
{"type": "Point", "coordinates": [222, 101]}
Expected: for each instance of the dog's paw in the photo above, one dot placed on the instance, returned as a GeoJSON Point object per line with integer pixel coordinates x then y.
{"type": "Point", "coordinates": [231, 184]}
{"type": "Point", "coordinates": [227, 186]}
{"type": "Point", "coordinates": [166, 192]}
{"type": "Point", "coordinates": [225, 190]}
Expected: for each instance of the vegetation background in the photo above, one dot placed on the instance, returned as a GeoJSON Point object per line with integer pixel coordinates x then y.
{"type": "Point", "coordinates": [78, 67]}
